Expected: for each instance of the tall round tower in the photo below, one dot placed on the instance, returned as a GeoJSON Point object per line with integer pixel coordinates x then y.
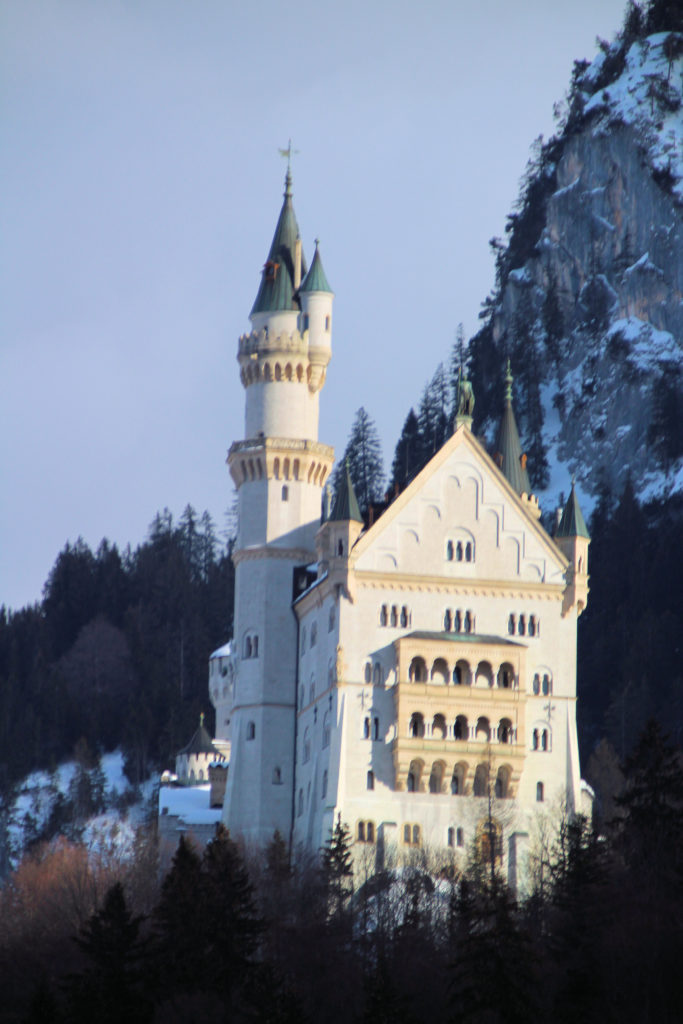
{"type": "Point", "coordinates": [279, 471]}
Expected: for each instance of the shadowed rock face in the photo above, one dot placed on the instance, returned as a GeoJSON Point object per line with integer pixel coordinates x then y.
{"type": "Point", "coordinates": [611, 249]}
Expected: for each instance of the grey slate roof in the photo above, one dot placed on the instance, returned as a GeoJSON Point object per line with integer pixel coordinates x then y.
{"type": "Point", "coordinates": [509, 446]}
{"type": "Point", "coordinates": [572, 523]}
{"type": "Point", "coordinates": [345, 502]}
{"type": "Point", "coordinates": [276, 290]}
{"type": "Point", "coordinates": [201, 742]}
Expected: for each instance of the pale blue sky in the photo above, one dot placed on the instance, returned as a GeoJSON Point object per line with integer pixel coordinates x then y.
{"type": "Point", "coordinates": [141, 186]}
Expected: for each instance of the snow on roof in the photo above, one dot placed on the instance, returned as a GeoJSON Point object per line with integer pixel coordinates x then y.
{"type": "Point", "coordinates": [191, 803]}
{"type": "Point", "coordinates": [222, 652]}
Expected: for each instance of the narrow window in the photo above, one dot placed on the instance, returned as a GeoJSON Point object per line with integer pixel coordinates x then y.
{"type": "Point", "coordinates": [410, 786]}
{"type": "Point", "coordinates": [366, 729]}
{"type": "Point", "coordinates": [394, 615]}
{"type": "Point", "coordinates": [416, 835]}
{"type": "Point", "coordinates": [303, 640]}
{"type": "Point", "coordinates": [377, 673]}
{"type": "Point", "coordinates": [383, 615]}
{"type": "Point", "coordinates": [247, 647]}
{"type": "Point", "coordinates": [534, 741]}
{"type": "Point", "coordinates": [285, 492]}
{"type": "Point", "coordinates": [327, 323]}
{"type": "Point", "coordinates": [451, 837]}
{"type": "Point", "coordinates": [314, 634]}
{"type": "Point", "coordinates": [532, 625]}
{"type": "Point", "coordinates": [511, 625]}
{"type": "Point", "coordinates": [340, 548]}
{"type": "Point", "coordinates": [361, 831]}
{"type": "Point", "coordinates": [546, 686]}
{"type": "Point", "coordinates": [537, 684]}
{"type": "Point", "coordinates": [368, 672]}
{"type": "Point", "coordinates": [277, 777]}
{"type": "Point", "coordinates": [539, 792]}
{"type": "Point", "coordinates": [370, 831]}
{"type": "Point", "coordinates": [375, 728]}
{"type": "Point", "coordinates": [460, 837]}
{"type": "Point", "coordinates": [457, 622]}
{"type": "Point", "coordinates": [458, 552]}
{"type": "Point", "coordinates": [448, 621]}
{"type": "Point", "coordinates": [404, 616]}
{"type": "Point", "coordinates": [406, 834]}
{"type": "Point", "coordinates": [201, 774]}
{"type": "Point", "coordinates": [254, 647]}
{"type": "Point", "coordinates": [449, 551]}
{"type": "Point", "coordinates": [521, 629]}
{"type": "Point", "coordinates": [251, 731]}
{"type": "Point", "coordinates": [331, 619]}
{"type": "Point", "coordinates": [468, 551]}
{"type": "Point", "coordinates": [324, 786]}
{"type": "Point", "coordinates": [544, 740]}
{"type": "Point", "coordinates": [370, 782]}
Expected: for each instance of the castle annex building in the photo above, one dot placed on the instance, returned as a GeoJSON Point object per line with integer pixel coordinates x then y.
{"type": "Point", "coordinates": [407, 675]}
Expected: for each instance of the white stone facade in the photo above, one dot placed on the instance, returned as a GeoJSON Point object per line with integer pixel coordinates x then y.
{"type": "Point", "coordinates": [426, 671]}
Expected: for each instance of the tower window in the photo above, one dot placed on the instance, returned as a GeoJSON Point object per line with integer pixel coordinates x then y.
{"type": "Point", "coordinates": [366, 729]}
{"type": "Point", "coordinates": [532, 625]}
{"type": "Point", "coordinates": [547, 686]}
{"type": "Point", "coordinates": [539, 792]}
{"type": "Point", "coordinates": [451, 837]}
{"type": "Point", "coordinates": [251, 731]}
{"type": "Point", "coordinates": [375, 728]}
{"type": "Point", "coordinates": [324, 786]}
{"type": "Point", "coordinates": [285, 492]}
{"type": "Point", "coordinates": [370, 782]}
{"type": "Point", "coordinates": [449, 551]}
{"type": "Point", "coordinates": [327, 323]}
{"type": "Point", "coordinates": [306, 321]}
{"type": "Point", "coordinates": [460, 837]}
{"type": "Point", "coordinates": [537, 684]}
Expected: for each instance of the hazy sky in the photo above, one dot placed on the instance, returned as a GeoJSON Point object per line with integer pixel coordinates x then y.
{"type": "Point", "coordinates": [141, 185]}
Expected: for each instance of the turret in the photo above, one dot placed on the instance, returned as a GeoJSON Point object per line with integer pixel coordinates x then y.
{"type": "Point", "coordinates": [573, 539]}
{"type": "Point", "coordinates": [315, 298]}
{"type": "Point", "coordinates": [338, 534]}
{"type": "Point", "coordinates": [509, 456]}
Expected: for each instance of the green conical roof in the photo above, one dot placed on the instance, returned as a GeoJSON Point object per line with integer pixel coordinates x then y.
{"type": "Point", "coordinates": [345, 502]}
{"type": "Point", "coordinates": [572, 523]}
{"type": "Point", "coordinates": [509, 446]}
{"type": "Point", "coordinates": [276, 290]}
{"type": "Point", "coordinates": [315, 280]}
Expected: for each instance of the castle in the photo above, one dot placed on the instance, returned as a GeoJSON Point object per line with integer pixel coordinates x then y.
{"type": "Point", "coordinates": [415, 675]}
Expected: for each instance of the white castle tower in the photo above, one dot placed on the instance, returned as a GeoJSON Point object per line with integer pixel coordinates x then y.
{"type": "Point", "coordinates": [279, 471]}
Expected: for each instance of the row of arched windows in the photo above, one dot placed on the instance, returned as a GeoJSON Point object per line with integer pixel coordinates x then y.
{"type": "Point", "coordinates": [252, 373]}
{"type": "Point", "coordinates": [540, 739]}
{"type": "Point", "coordinates": [365, 832]}
{"type": "Point", "coordinates": [459, 551]}
{"type": "Point", "coordinates": [523, 625]}
{"type": "Point", "coordinates": [461, 673]}
{"type": "Point", "coordinates": [373, 673]}
{"type": "Point", "coordinates": [544, 686]}
{"type": "Point", "coordinates": [461, 729]}
{"type": "Point", "coordinates": [371, 727]}
{"type": "Point", "coordinates": [393, 616]}
{"type": "Point", "coordinates": [458, 621]}
{"type": "Point", "coordinates": [436, 782]}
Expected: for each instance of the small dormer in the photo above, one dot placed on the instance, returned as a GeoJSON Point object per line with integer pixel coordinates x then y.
{"type": "Point", "coordinates": [572, 539]}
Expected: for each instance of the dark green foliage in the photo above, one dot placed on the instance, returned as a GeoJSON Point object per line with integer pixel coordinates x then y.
{"type": "Point", "coordinates": [363, 455]}
{"type": "Point", "coordinates": [117, 651]}
{"type": "Point", "coordinates": [113, 985]}
{"type": "Point", "coordinates": [337, 868]}
{"type": "Point", "coordinates": [408, 454]}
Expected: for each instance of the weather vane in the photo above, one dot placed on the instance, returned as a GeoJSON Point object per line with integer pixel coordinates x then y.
{"type": "Point", "coordinates": [289, 153]}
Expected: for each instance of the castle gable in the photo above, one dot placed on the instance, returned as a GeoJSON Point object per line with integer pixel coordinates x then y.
{"type": "Point", "coordinates": [459, 518]}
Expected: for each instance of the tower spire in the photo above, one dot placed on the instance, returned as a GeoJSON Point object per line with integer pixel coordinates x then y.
{"type": "Point", "coordinates": [509, 455]}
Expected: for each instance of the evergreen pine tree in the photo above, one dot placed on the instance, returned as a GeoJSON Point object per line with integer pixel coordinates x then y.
{"type": "Point", "coordinates": [363, 454]}
{"type": "Point", "coordinates": [337, 868]}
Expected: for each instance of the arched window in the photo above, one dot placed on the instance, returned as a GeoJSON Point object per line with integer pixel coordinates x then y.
{"type": "Point", "coordinates": [314, 634]}
{"type": "Point", "coordinates": [460, 731]}
{"type": "Point", "coordinates": [436, 777]}
{"type": "Point", "coordinates": [460, 837]}
{"type": "Point", "coordinates": [536, 686]}
{"type": "Point", "coordinates": [324, 785]}
{"type": "Point", "coordinates": [534, 740]}
{"type": "Point", "coordinates": [331, 619]}
{"type": "Point", "coordinates": [461, 673]}
{"type": "Point", "coordinates": [416, 728]}
{"type": "Point", "coordinates": [277, 776]}
{"type": "Point", "coordinates": [416, 835]}
{"type": "Point", "coordinates": [414, 776]}
{"type": "Point", "coordinates": [468, 552]}
{"type": "Point", "coordinates": [511, 625]}
{"type": "Point", "coordinates": [521, 626]}
{"type": "Point", "coordinates": [377, 673]}
{"type": "Point", "coordinates": [539, 792]}
{"type": "Point", "coordinates": [370, 831]}
{"type": "Point", "coordinates": [383, 615]}
{"type": "Point", "coordinates": [247, 647]}
{"type": "Point", "coordinates": [484, 676]}
{"type": "Point", "coordinates": [394, 615]}
{"type": "Point", "coordinates": [502, 783]}
{"type": "Point", "coordinates": [406, 834]}
{"type": "Point", "coordinates": [458, 551]}
{"type": "Point", "coordinates": [375, 728]}
{"type": "Point", "coordinates": [506, 676]}
{"type": "Point", "coordinates": [547, 686]}
{"type": "Point", "coordinates": [448, 620]}
{"type": "Point", "coordinates": [361, 831]}
{"type": "Point", "coordinates": [340, 548]}
{"type": "Point", "coordinates": [327, 729]}
{"type": "Point", "coordinates": [449, 551]}
{"type": "Point", "coordinates": [440, 672]}
{"type": "Point", "coordinates": [532, 625]}
{"type": "Point", "coordinates": [404, 616]}
{"type": "Point", "coordinates": [439, 728]}
{"type": "Point", "coordinates": [451, 837]}
{"type": "Point", "coordinates": [368, 672]}
{"type": "Point", "coordinates": [307, 745]}
{"type": "Point", "coordinates": [458, 780]}
{"type": "Point", "coordinates": [201, 775]}
{"type": "Point", "coordinates": [285, 492]}
{"type": "Point", "coordinates": [469, 622]}
{"type": "Point", "coordinates": [483, 730]}
{"type": "Point", "coordinates": [544, 740]}
{"type": "Point", "coordinates": [251, 730]}
{"type": "Point", "coordinates": [366, 728]}
{"type": "Point", "coordinates": [481, 780]}
{"type": "Point", "coordinates": [417, 672]}
{"type": "Point", "coordinates": [370, 780]}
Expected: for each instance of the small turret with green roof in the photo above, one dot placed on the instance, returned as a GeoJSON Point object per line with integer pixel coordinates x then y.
{"type": "Point", "coordinates": [345, 502]}
{"type": "Point", "coordinates": [572, 523]}
{"type": "Point", "coordinates": [316, 280]}
{"type": "Point", "coordinates": [573, 540]}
